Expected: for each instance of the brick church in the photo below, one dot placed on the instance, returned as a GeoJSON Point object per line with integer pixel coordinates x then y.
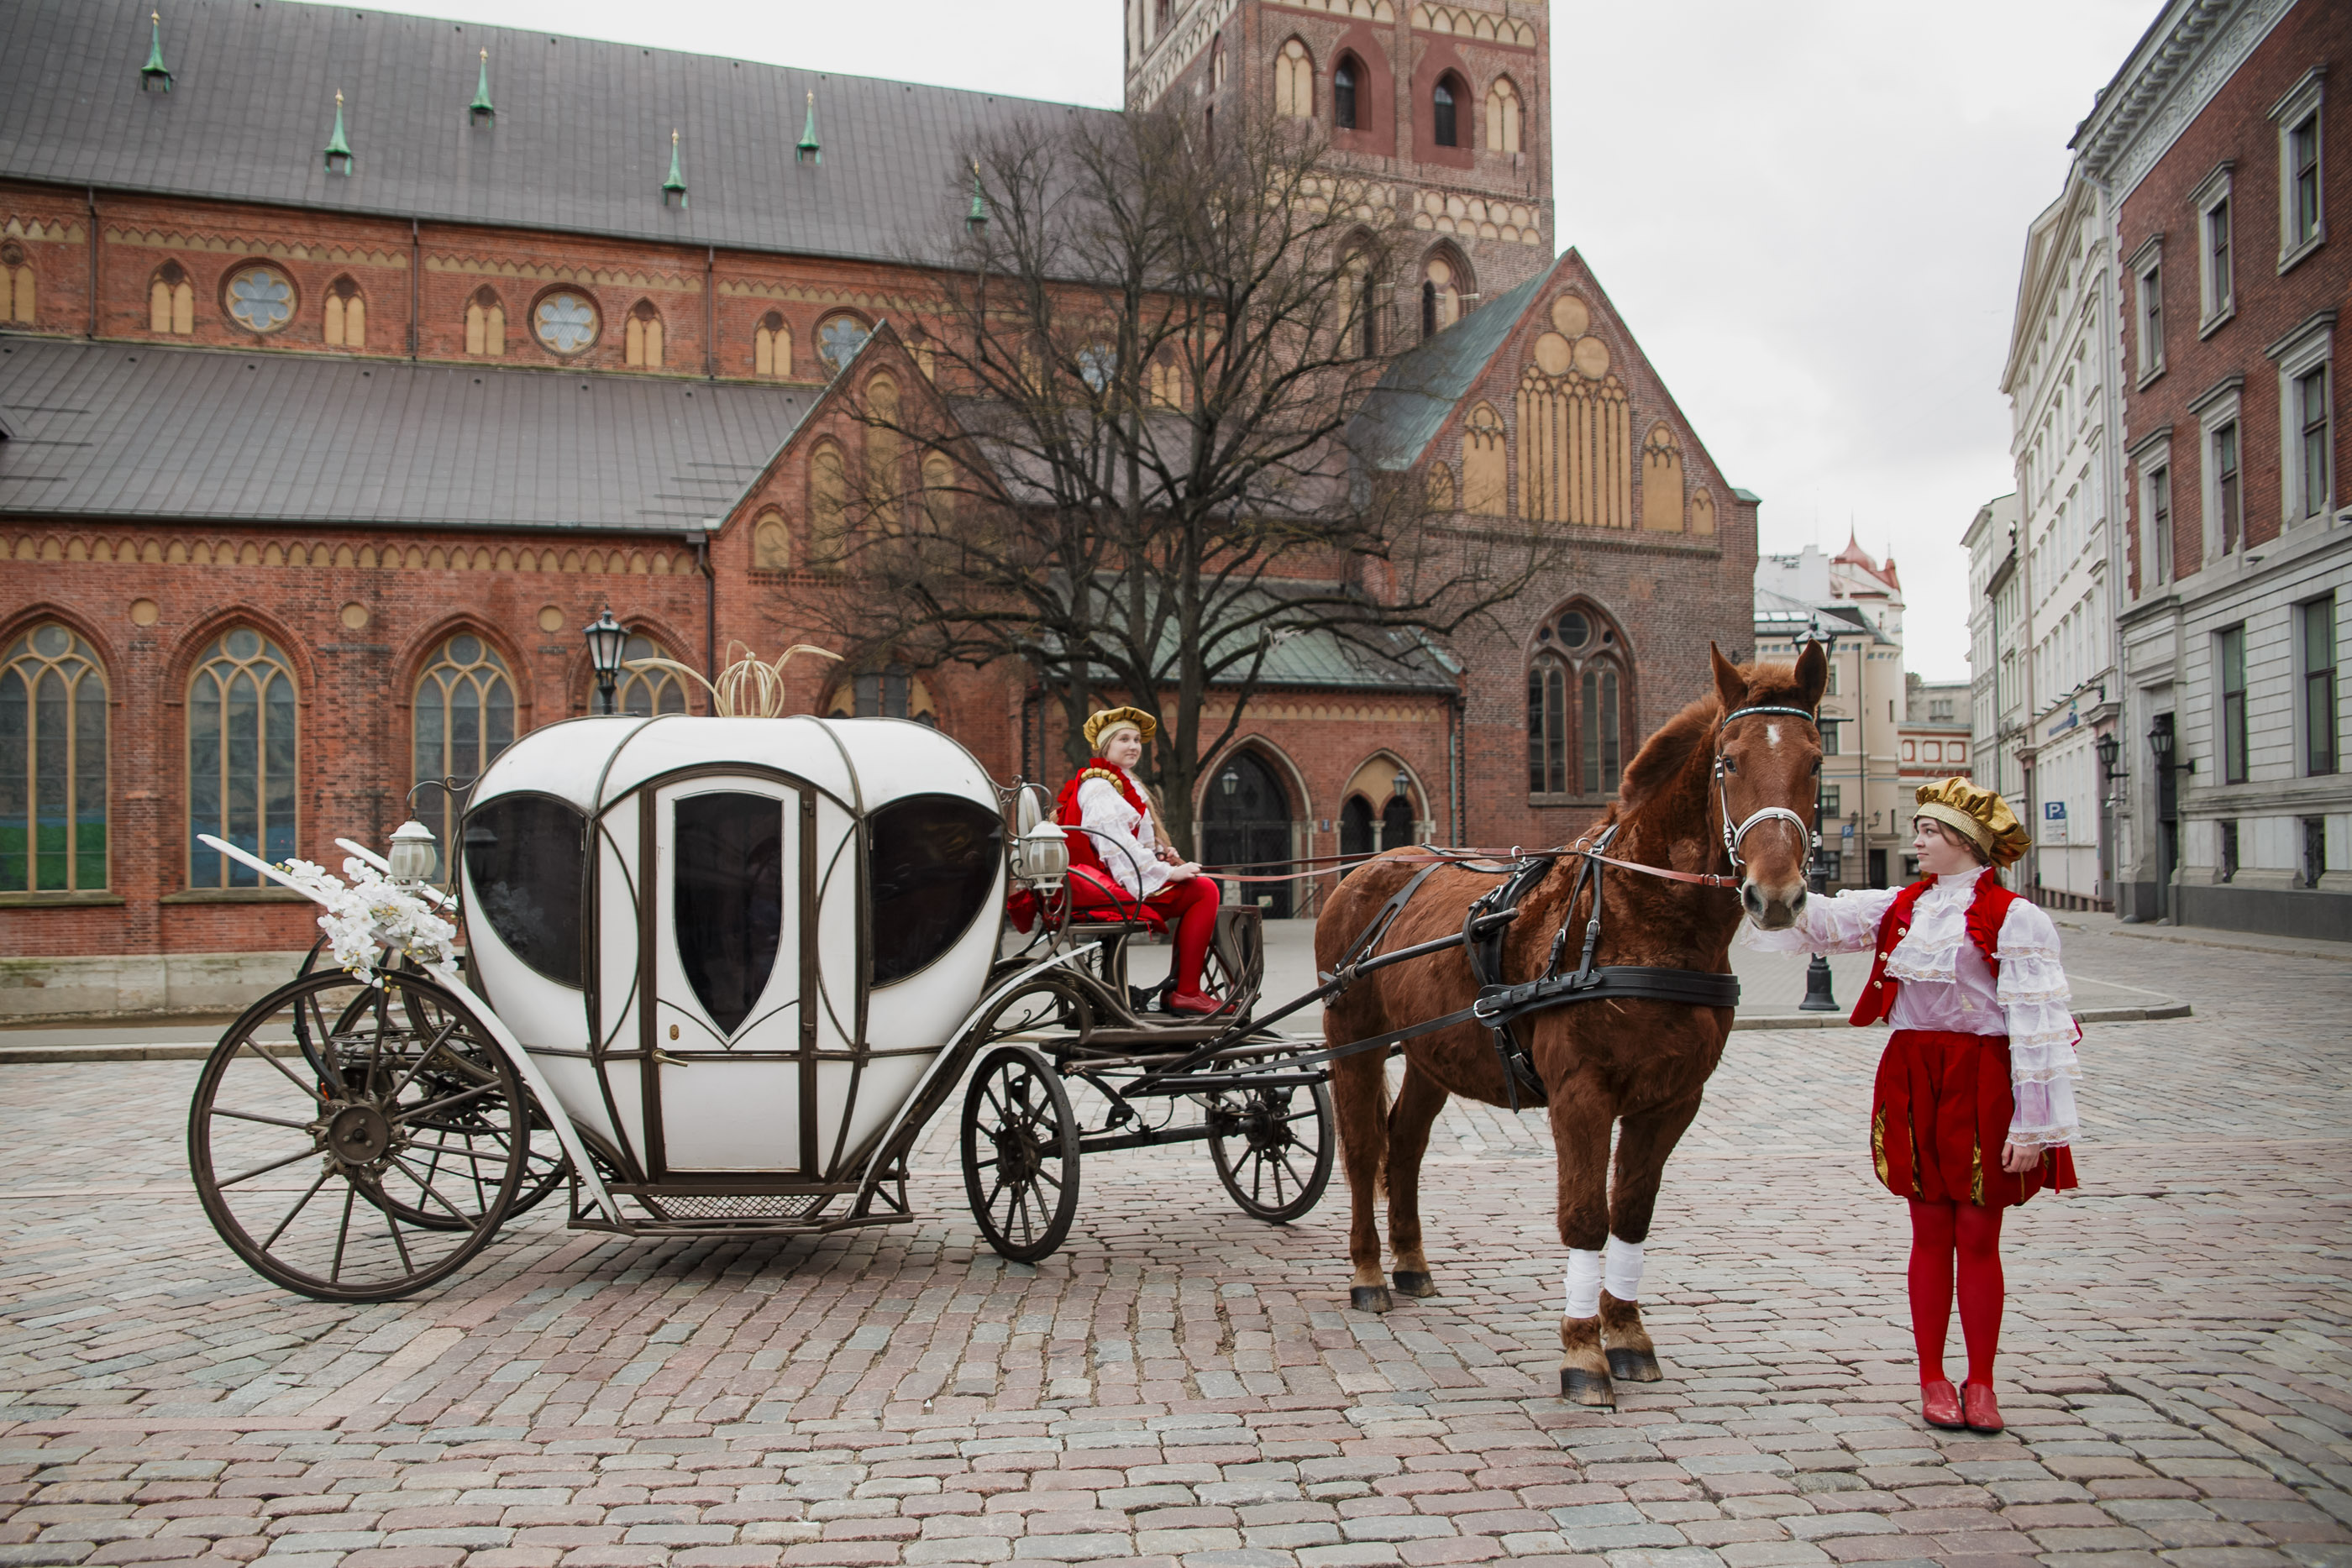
{"type": "Point", "coordinates": [351, 362]}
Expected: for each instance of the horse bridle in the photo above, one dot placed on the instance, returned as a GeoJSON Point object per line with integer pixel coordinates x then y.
{"type": "Point", "coordinates": [1734, 837]}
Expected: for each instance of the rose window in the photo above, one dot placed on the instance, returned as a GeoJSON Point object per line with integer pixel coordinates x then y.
{"type": "Point", "coordinates": [261, 300]}
{"type": "Point", "coordinates": [840, 339]}
{"type": "Point", "coordinates": [565, 322]}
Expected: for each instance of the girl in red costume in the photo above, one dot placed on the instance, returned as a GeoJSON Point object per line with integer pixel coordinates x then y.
{"type": "Point", "coordinates": [1974, 1108]}
{"type": "Point", "coordinates": [1117, 860]}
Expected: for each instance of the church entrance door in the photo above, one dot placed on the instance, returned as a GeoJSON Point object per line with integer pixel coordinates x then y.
{"type": "Point", "coordinates": [1245, 823]}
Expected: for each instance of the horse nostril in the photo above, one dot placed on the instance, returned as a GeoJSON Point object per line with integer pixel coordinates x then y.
{"type": "Point", "coordinates": [1752, 899]}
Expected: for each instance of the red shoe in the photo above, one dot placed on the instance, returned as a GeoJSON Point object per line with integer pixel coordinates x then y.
{"type": "Point", "coordinates": [1199, 1002]}
{"type": "Point", "coordinates": [1984, 1416]}
{"type": "Point", "coordinates": [1939, 1405]}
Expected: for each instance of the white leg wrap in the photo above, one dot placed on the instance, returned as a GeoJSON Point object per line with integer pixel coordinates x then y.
{"type": "Point", "coordinates": [1621, 1269]}
{"type": "Point", "coordinates": [1583, 1283]}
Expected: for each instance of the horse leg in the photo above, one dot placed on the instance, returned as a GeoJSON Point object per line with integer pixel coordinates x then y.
{"type": "Point", "coordinates": [1581, 1116]}
{"type": "Point", "coordinates": [1642, 1145]}
{"type": "Point", "coordinates": [1359, 1093]}
{"type": "Point", "coordinates": [1419, 1100]}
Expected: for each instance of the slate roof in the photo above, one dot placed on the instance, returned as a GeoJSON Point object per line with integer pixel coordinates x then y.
{"type": "Point", "coordinates": [148, 432]}
{"type": "Point", "coordinates": [1404, 412]}
{"type": "Point", "coordinates": [581, 142]}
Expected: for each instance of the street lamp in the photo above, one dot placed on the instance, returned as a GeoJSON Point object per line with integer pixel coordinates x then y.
{"type": "Point", "coordinates": [1819, 997]}
{"type": "Point", "coordinates": [1403, 786]}
{"type": "Point", "coordinates": [606, 639]}
{"type": "Point", "coordinates": [1229, 780]}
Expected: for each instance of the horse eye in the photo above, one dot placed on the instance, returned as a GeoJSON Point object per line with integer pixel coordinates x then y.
{"type": "Point", "coordinates": [1731, 765]}
{"type": "Point", "coordinates": [1817, 767]}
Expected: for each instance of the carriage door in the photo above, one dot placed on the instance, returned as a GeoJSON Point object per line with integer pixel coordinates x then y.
{"type": "Point", "coordinates": [726, 967]}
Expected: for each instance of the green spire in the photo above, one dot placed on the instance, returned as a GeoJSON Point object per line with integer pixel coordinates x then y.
{"type": "Point", "coordinates": [979, 214]}
{"type": "Point", "coordinates": [808, 148]}
{"type": "Point", "coordinates": [155, 70]}
{"type": "Point", "coordinates": [674, 186]}
{"type": "Point", "coordinates": [481, 109]}
{"type": "Point", "coordinates": [339, 151]}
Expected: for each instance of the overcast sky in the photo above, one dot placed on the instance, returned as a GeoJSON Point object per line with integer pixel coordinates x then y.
{"type": "Point", "coordinates": [1810, 214]}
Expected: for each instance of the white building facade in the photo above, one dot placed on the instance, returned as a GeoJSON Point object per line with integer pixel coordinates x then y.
{"type": "Point", "coordinates": [1991, 539]}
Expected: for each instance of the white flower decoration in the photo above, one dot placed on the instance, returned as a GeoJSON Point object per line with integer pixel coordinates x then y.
{"type": "Point", "coordinates": [371, 915]}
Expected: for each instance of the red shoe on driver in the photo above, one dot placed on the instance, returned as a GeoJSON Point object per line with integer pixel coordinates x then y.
{"type": "Point", "coordinates": [1197, 1002]}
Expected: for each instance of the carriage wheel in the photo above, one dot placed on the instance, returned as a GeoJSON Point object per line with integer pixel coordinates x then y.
{"type": "Point", "coordinates": [307, 1162]}
{"type": "Point", "coordinates": [1272, 1148]}
{"type": "Point", "coordinates": [1020, 1154]}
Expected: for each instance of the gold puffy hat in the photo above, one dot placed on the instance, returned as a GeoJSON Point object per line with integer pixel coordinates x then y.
{"type": "Point", "coordinates": [1979, 812]}
{"type": "Point", "coordinates": [1112, 718]}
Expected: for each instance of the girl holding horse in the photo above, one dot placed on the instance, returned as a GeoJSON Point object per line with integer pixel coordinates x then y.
{"type": "Point", "coordinates": [1121, 868]}
{"type": "Point", "coordinates": [1981, 1058]}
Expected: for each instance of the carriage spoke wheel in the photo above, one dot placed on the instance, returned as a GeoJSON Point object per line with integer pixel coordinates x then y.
{"type": "Point", "coordinates": [1272, 1148]}
{"type": "Point", "coordinates": [1020, 1154]}
{"type": "Point", "coordinates": [356, 1144]}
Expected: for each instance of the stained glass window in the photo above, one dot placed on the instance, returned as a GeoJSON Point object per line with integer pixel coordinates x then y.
{"type": "Point", "coordinates": [260, 299]}
{"type": "Point", "coordinates": [465, 717]}
{"type": "Point", "coordinates": [241, 757]}
{"type": "Point", "coordinates": [839, 339]}
{"type": "Point", "coordinates": [647, 692]}
{"type": "Point", "coordinates": [565, 322]}
{"type": "Point", "coordinates": [52, 765]}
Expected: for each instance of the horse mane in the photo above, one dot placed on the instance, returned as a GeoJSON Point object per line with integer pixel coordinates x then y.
{"type": "Point", "coordinates": [1669, 751]}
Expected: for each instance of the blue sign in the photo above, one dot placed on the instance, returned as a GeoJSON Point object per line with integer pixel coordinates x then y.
{"type": "Point", "coordinates": [2054, 811]}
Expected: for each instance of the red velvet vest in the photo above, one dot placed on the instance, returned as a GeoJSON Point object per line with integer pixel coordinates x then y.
{"type": "Point", "coordinates": [1068, 812]}
{"type": "Point", "coordinates": [1987, 910]}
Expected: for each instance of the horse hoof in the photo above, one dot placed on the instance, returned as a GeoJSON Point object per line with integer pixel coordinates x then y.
{"type": "Point", "coordinates": [1411, 1283]}
{"type": "Point", "coordinates": [1578, 1387]}
{"type": "Point", "coordinates": [1368, 1298]}
{"type": "Point", "coordinates": [1634, 1366]}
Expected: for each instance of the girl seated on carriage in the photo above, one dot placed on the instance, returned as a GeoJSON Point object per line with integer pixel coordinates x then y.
{"type": "Point", "coordinates": [1121, 867]}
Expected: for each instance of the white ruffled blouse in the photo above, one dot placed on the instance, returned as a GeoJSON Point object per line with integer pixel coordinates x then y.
{"type": "Point", "coordinates": [1121, 835]}
{"type": "Point", "coordinates": [1947, 986]}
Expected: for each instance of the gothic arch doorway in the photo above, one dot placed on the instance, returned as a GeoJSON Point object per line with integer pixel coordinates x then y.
{"type": "Point", "coordinates": [1246, 822]}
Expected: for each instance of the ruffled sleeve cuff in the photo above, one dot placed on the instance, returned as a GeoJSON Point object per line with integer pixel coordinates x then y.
{"type": "Point", "coordinates": [2045, 1115]}
{"type": "Point", "coordinates": [1847, 924]}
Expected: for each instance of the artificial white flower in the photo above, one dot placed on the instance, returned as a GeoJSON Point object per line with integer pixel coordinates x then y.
{"type": "Point", "coordinates": [371, 913]}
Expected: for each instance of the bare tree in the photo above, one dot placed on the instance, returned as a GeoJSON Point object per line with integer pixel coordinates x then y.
{"type": "Point", "coordinates": [1140, 476]}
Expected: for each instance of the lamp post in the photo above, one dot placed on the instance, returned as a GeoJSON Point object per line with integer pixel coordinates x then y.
{"type": "Point", "coordinates": [606, 639]}
{"type": "Point", "coordinates": [1819, 997]}
{"type": "Point", "coordinates": [2109, 750]}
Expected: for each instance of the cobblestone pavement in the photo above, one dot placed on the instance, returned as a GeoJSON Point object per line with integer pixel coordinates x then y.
{"type": "Point", "coordinates": [1182, 1384]}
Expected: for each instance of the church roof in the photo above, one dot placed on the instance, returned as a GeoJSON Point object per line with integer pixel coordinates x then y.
{"type": "Point", "coordinates": [581, 140]}
{"type": "Point", "coordinates": [1404, 411]}
{"type": "Point", "coordinates": [152, 432]}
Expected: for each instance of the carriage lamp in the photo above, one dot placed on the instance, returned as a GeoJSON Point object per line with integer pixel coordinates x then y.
{"type": "Point", "coordinates": [1041, 856]}
{"type": "Point", "coordinates": [606, 639]}
{"type": "Point", "coordinates": [414, 856]}
{"type": "Point", "coordinates": [2109, 748]}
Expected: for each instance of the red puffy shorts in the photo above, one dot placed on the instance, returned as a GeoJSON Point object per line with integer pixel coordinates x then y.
{"type": "Point", "coordinates": [1940, 1116]}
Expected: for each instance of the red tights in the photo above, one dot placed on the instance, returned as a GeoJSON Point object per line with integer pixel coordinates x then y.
{"type": "Point", "coordinates": [1939, 1233]}
{"type": "Point", "coordinates": [1189, 906]}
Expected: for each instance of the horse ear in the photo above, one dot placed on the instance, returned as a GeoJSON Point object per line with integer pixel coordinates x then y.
{"type": "Point", "coordinates": [1813, 675]}
{"type": "Point", "coordinates": [1730, 685]}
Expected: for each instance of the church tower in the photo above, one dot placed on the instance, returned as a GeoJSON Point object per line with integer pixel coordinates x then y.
{"type": "Point", "coordinates": [1446, 106]}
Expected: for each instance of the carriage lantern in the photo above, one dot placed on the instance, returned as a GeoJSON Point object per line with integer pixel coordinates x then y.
{"type": "Point", "coordinates": [414, 856]}
{"type": "Point", "coordinates": [1041, 850]}
{"type": "Point", "coordinates": [607, 640]}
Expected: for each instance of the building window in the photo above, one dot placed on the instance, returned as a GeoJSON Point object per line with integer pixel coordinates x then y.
{"type": "Point", "coordinates": [938, 491]}
{"type": "Point", "coordinates": [171, 301]}
{"type": "Point", "coordinates": [1576, 710]}
{"type": "Point", "coordinates": [644, 692]}
{"type": "Point", "coordinates": [1217, 65]}
{"type": "Point", "coordinates": [1294, 82]}
{"type": "Point", "coordinates": [2156, 565]}
{"type": "Point", "coordinates": [1502, 117]}
{"type": "Point", "coordinates": [1547, 729]}
{"type": "Point", "coordinates": [642, 337]}
{"type": "Point", "coordinates": [772, 542]}
{"type": "Point", "coordinates": [2303, 215]}
{"type": "Point", "coordinates": [345, 324]}
{"type": "Point", "coordinates": [1830, 728]}
{"type": "Point", "coordinates": [2229, 851]}
{"type": "Point", "coordinates": [2321, 753]}
{"type": "Point", "coordinates": [1601, 729]}
{"type": "Point", "coordinates": [2314, 444]}
{"type": "Point", "coordinates": [828, 506]}
{"type": "Point", "coordinates": [2229, 655]}
{"type": "Point", "coordinates": [1441, 98]}
{"type": "Point", "coordinates": [888, 692]}
{"type": "Point", "coordinates": [15, 285]}
{"type": "Point", "coordinates": [772, 347]}
{"type": "Point", "coordinates": [565, 322]}
{"type": "Point", "coordinates": [1832, 801]}
{"type": "Point", "coordinates": [838, 339]}
{"type": "Point", "coordinates": [259, 298]}
{"type": "Point", "coordinates": [52, 765]}
{"type": "Point", "coordinates": [2151, 321]}
{"type": "Point", "coordinates": [1440, 296]}
{"type": "Point", "coordinates": [2229, 500]}
{"type": "Point", "coordinates": [1343, 93]}
{"type": "Point", "coordinates": [242, 729]}
{"type": "Point", "coordinates": [2218, 296]}
{"type": "Point", "coordinates": [486, 324]}
{"type": "Point", "coordinates": [465, 717]}
{"type": "Point", "coordinates": [2315, 850]}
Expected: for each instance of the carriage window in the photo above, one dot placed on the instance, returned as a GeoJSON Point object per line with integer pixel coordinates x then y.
{"type": "Point", "coordinates": [730, 899]}
{"type": "Point", "coordinates": [931, 861]}
{"type": "Point", "coordinates": [525, 857]}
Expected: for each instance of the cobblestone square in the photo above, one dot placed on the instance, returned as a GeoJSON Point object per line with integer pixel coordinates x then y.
{"type": "Point", "coordinates": [1182, 1384]}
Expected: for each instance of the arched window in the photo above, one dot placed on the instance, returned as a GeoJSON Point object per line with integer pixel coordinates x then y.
{"type": "Point", "coordinates": [52, 764]}
{"type": "Point", "coordinates": [1164, 380]}
{"type": "Point", "coordinates": [644, 335]}
{"type": "Point", "coordinates": [772, 347]}
{"type": "Point", "coordinates": [15, 285]}
{"type": "Point", "coordinates": [772, 542]}
{"type": "Point", "coordinates": [883, 447]}
{"type": "Point", "coordinates": [1396, 824]}
{"type": "Point", "coordinates": [1443, 115]}
{"type": "Point", "coordinates": [242, 728]}
{"type": "Point", "coordinates": [1502, 117]}
{"type": "Point", "coordinates": [1358, 304]}
{"type": "Point", "coordinates": [465, 717]}
{"type": "Point", "coordinates": [1441, 295]}
{"type": "Point", "coordinates": [1577, 706]}
{"type": "Point", "coordinates": [1485, 463]}
{"type": "Point", "coordinates": [1294, 81]}
{"type": "Point", "coordinates": [838, 339]}
{"type": "Point", "coordinates": [1702, 512]}
{"type": "Point", "coordinates": [643, 693]}
{"type": "Point", "coordinates": [828, 506]}
{"type": "Point", "coordinates": [1599, 727]}
{"type": "Point", "coordinates": [938, 490]}
{"type": "Point", "coordinates": [1217, 64]}
{"type": "Point", "coordinates": [890, 692]}
{"type": "Point", "coordinates": [1344, 78]}
{"type": "Point", "coordinates": [171, 301]}
{"type": "Point", "coordinates": [486, 324]}
{"type": "Point", "coordinates": [1355, 833]}
{"type": "Point", "coordinates": [346, 318]}
{"type": "Point", "coordinates": [1662, 481]}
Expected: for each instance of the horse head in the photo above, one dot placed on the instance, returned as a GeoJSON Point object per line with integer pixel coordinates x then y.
{"type": "Point", "coordinates": [1767, 779]}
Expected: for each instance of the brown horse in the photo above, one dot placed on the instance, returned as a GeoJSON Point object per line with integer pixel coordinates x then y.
{"type": "Point", "coordinates": [1644, 1063]}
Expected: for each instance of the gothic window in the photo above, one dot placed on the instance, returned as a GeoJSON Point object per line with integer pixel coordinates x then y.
{"type": "Point", "coordinates": [1598, 727]}
{"type": "Point", "coordinates": [486, 324]}
{"type": "Point", "coordinates": [1164, 384]}
{"type": "Point", "coordinates": [646, 692]}
{"type": "Point", "coordinates": [772, 347]}
{"type": "Point", "coordinates": [1162, 13]}
{"type": "Point", "coordinates": [1701, 512]}
{"type": "Point", "coordinates": [171, 301]}
{"type": "Point", "coordinates": [890, 692]}
{"type": "Point", "coordinates": [1576, 707]}
{"type": "Point", "coordinates": [938, 490]}
{"type": "Point", "coordinates": [1440, 487]}
{"type": "Point", "coordinates": [465, 716]}
{"type": "Point", "coordinates": [565, 322]}
{"type": "Point", "coordinates": [1358, 304]}
{"type": "Point", "coordinates": [838, 339]}
{"type": "Point", "coordinates": [1547, 727]}
{"type": "Point", "coordinates": [1294, 81]}
{"type": "Point", "coordinates": [883, 447]}
{"type": "Point", "coordinates": [772, 542]}
{"type": "Point", "coordinates": [52, 765]}
{"type": "Point", "coordinates": [644, 335]}
{"type": "Point", "coordinates": [1217, 65]}
{"type": "Point", "coordinates": [1443, 117]}
{"type": "Point", "coordinates": [242, 728]}
{"type": "Point", "coordinates": [1440, 296]}
{"type": "Point", "coordinates": [828, 505]}
{"type": "Point", "coordinates": [1485, 463]}
{"type": "Point", "coordinates": [1344, 78]}
{"type": "Point", "coordinates": [15, 285]}
{"type": "Point", "coordinates": [259, 298]}
{"type": "Point", "coordinates": [1502, 117]}
{"type": "Point", "coordinates": [1662, 481]}
{"type": "Point", "coordinates": [346, 315]}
